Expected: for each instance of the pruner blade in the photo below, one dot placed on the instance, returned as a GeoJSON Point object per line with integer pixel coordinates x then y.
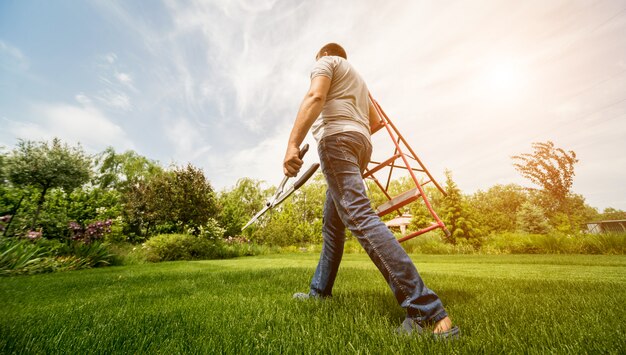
{"type": "Point", "coordinates": [281, 194]}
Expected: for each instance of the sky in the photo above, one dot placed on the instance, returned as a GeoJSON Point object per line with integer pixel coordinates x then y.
{"type": "Point", "coordinates": [218, 83]}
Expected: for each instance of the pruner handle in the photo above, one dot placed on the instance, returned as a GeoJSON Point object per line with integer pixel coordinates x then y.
{"type": "Point", "coordinates": [281, 186]}
{"type": "Point", "coordinates": [303, 150]}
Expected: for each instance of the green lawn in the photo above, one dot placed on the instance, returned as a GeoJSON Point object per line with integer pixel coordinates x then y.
{"type": "Point", "coordinates": [503, 304]}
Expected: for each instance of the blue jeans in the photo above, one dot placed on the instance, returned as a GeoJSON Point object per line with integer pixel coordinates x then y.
{"type": "Point", "coordinates": [343, 158]}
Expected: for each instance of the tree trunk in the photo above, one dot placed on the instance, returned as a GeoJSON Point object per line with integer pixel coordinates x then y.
{"type": "Point", "coordinates": [13, 214]}
{"type": "Point", "coordinates": [39, 205]}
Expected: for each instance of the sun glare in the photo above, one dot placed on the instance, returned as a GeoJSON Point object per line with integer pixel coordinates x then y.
{"type": "Point", "coordinates": [504, 77]}
{"type": "Point", "coordinates": [502, 80]}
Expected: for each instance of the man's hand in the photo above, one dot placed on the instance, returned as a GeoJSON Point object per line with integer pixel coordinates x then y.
{"type": "Point", "coordinates": [310, 109]}
{"type": "Point", "coordinates": [292, 162]}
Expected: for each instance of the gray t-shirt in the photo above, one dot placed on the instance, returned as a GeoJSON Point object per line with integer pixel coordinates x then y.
{"type": "Point", "coordinates": [347, 102]}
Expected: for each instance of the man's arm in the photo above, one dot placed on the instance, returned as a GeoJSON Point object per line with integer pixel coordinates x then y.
{"type": "Point", "coordinates": [374, 117]}
{"type": "Point", "coordinates": [310, 109]}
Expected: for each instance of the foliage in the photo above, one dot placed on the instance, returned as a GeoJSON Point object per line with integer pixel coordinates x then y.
{"type": "Point", "coordinates": [434, 243]}
{"type": "Point", "coordinates": [120, 171]}
{"type": "Point", "coordinates": [169, 247]}
{"type": "Point", "coordinates": [496, 210]}
{"type": "Point", "coordinates": [570, 215]}
{"type": "Point", "coordinates": [179, 200]}
{"type": "Point", "coordinates": [125, 253]}
{"type": "Point", "coordinates": [611, 214]}
{"type": "Point", "coordinates": [95, 231]}
{"type": "Point", "coordinates": [46, 166]}
{"type": "Point", "coordinates": [92, 254]}
{"type": "Point", "coordinates": [239, 204]}
{"type": "Point", "coordinates": [211, 230]}
{"type": "Point", "coordinates": [16, 256]}
{"type": "Point", "coordinates": [456, 215]}
{"type": "Point", "coordinates": [4, 222]}
{"type": "Point", "coordinates": [531, 219]}
{"type": "Point", "coordinates": [550, 167]}
{"type": "Point", "coordinates": [83, 205]}
{"type": "Point", "coordinates": [297, 221]}
{"type": "Point", "coordinates": [20, 256]}
{"type": "Point", "coordinates": [554, 243]}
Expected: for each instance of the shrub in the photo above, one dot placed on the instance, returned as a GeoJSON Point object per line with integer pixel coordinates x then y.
{"type": "Point", "coordinates": [93, 232]}
{"type": "Point", "coordinates": [211, 230]}
{"type": "Point", "coordinates": [126, 254]}
{"type": "Point", "coordinates": [169, 247]}
{"type": "Point", "coordinates": [433, 243]}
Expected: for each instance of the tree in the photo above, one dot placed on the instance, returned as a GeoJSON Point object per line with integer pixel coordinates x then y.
{"type": "Point", "coordinates": [531, 219]}
{"type": "Point", "coordinates": [46, 166]}
{"type": "Point", "coordinates": [240, 204]}
{"type": "Point", "coordinates": [296, 221]}
{"type": "Point", "coordinates": [550, 167]}
{"type": "Point", "coordinates": [456, 214]}
{"type": "Point", "coordinates": [496, 209]}
{"type": "Point", "coordinates": [611, 213]}
{"type": "Point", "coordinates": [120, 171]}
{"type": "Point", "coordinates": [177, 200]}
{"type": "Point", "coordinates": [421, 216]}
{"type": "Point", "coordinates": [192, 198]}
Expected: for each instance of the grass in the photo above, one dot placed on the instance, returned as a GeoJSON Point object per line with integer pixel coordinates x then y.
{"type": "Point", "coordinates": [503, 304]}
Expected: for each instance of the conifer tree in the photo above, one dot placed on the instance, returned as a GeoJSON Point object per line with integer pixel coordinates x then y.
{"type": "Point", "coordinates": [456, 214]}
{"type": "Point", "coordinates": [531, 219]}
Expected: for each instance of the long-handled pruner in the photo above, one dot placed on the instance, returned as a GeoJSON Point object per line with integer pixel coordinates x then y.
{"type": "Point", "coordinates": [280, 194]}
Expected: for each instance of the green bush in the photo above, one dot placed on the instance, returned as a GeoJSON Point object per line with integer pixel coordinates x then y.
{"type": "Point", "coordinates": [127, 254]}
{"type": "Point", "coordinates": [434, 243]}
{"type": "Point", "coordinates": [514, 243]}
{"type": "Point", "coordinates": [169, 247]}
{"type": "Point", "coordinates": [211, 230]}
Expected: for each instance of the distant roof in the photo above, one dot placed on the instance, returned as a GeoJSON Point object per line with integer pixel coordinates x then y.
{"type": "Point", "coordinates": [608, 221]}
{"type": "Point", "coordinates": [403, 220]}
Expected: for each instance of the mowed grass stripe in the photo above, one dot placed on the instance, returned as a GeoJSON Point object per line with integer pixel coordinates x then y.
{"type": "Point", "coordinates": [502, 303]}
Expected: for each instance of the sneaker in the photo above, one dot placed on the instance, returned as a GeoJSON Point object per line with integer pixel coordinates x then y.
{"type": "Point", "coordinates": [301, 296]}
{"type": "Point", "coordinates": [410, 327]}
{"type": "Point", "coordinates": [450, 334]}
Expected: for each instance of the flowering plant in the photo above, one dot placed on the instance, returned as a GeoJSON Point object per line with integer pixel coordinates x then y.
{"type": "Point", "coordinates": [94, 231]}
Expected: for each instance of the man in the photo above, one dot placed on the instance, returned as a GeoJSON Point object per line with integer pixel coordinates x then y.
{"type": "Point", "coordinates": [342, 132]}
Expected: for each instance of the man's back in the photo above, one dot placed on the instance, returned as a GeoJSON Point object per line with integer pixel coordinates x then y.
{"type": "Point", "coordinates": [347, 102]}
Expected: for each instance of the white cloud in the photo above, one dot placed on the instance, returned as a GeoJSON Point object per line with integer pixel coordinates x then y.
{"type": "Point", "coordinates": [124, 78]}
{"type": "Point", "coordinates": [83, 99]}
{"type": "Point", "coordinates": [110, 58]}
{"type": "Point", "coordinates": [114, 99]}
{"type": "Point", "coordinates": [262, 161]}
{"type": "Point", "coordinates": [187, 141]}
{"type": "Point", "coordinates": [14, 56]}
{"type": "Point", "coordinates": [72, 124]}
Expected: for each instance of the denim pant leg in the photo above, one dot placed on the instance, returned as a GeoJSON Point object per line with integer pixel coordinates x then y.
{"type": "Point", "coordinates": [334, 233]}
{"type": "Point", "coordinates": [343, 157]}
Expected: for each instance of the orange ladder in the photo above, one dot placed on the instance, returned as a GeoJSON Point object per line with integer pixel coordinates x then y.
{"type": "Point", "coordinates": [402, 152]}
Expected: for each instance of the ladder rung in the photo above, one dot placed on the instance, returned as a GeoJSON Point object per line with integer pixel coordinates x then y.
{"type": "Point", "coordinates": [381, 165]}
{"type": "Point", "coordinates": [399, 201]}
